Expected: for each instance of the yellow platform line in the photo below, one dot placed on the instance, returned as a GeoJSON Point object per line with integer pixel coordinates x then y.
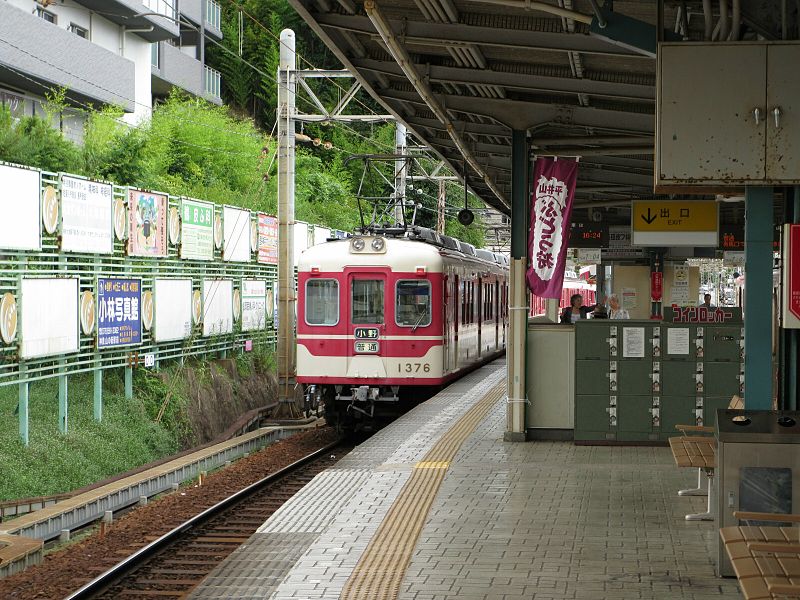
{"type": "Point", "coordinates": [380, 570]}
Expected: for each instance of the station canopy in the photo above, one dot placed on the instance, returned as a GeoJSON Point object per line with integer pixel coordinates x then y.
{"type": "Point", "coordinates": [463, 73]}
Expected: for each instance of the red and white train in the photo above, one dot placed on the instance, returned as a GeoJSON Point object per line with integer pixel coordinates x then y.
{"type": "Point", "coordinates": [381, 315]}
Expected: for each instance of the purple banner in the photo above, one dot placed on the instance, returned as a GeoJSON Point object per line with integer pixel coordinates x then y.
{"type": "Point", "coordinates": [551, 208]}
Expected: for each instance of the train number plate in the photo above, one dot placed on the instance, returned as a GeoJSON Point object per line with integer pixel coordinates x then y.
{"type": "Point", "coordinates": [367, 347]}
{"type": "Point", "coordinates": [366, 333]}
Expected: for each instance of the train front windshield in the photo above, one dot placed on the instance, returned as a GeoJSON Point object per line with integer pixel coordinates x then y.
{"type": "Point", "coordinates": [366, 296]}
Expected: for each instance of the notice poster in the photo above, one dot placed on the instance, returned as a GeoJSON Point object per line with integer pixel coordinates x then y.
{"type": "Point", "coordinates": [86, 216]}
{"type": "Point", "coordinates": [267, 239]}
{"type": "Point", "coordinates": [197, 229]}
{"type": "Point", "coordinates": [680, 295]}
{"type": "Point", "coordinates": [254, 305]}
{"type": "Point", "coordinates": [678, 340]}
{"type": "Point", "coordinates": [633, 342]}
{"type": "Point", "coordinates": [19, 208]}
{"type": "Point", "coordinates": [147, 223]}
{"type": "Point", "coordinates": [680, 285]}
{"type": "Point", "coordinates": [629, 299]}
{"type": "Point", "coordinates": [119, 319]}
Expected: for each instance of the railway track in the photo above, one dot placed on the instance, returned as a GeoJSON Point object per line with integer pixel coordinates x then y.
{"type": "Point", "coordinates": [172, 565]}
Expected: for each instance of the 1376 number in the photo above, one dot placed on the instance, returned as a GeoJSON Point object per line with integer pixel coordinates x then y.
{"type": "Point", "coordinates": [414, 368]}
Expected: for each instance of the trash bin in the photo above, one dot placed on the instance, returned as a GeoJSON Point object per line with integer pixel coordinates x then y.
{"type": "Point", "coordinates": [758, 467]}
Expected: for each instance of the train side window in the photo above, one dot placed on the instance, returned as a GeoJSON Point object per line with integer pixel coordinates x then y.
{"type": "Point", "coordinates": [322, 302]}
{"type": "Point", "coordinates": [366, 297]}
{"type": "Point", "coordinates": [413, 303]}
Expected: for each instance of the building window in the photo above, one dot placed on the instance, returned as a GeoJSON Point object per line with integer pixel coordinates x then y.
{"type": "Point", "coordinates": [79, 31]}
{"type": "Point", "coordinates": [155, 55]}
{"type": "Point", "coordinates": [46, 15]}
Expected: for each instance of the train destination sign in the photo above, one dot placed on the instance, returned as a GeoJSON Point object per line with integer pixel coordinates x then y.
{"type": "Point", "coordinates": [367, 347]}
{"type": "Point", "coordinates": [366, 333]}
{"type": "Point", "coordinates": [675, 223]}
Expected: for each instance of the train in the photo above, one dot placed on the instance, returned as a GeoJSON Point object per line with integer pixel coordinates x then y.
{"type": "Point", "coordinates": [387, 315]}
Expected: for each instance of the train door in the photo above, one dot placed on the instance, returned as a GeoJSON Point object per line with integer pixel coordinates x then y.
{"type": "Point", "coordinates": [367, 323]}
{"type": "Point", "coordinates": [479, 310]}
{"type": "Point", "coordinates": [446, 322]}
{"type": "Point", "coordinates": [496, 314]}
{"type": "Point", "coordinates": [457, 300]}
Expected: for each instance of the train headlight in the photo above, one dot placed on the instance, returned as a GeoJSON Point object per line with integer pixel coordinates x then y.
{"type": "Point", "coordinates": [358, 244]}
{"type": "Point", "coordinates": [378, 244]}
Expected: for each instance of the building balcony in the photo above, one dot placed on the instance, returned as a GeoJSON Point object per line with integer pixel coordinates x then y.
{"type": "Point", "coordinates": [90, 73]}
{"type": "Point", "coordinates": [207, 13]}
{"type": "Point", "coordinates": [174, 67]}
{"type": "Point", "coordinates": [122, 13]}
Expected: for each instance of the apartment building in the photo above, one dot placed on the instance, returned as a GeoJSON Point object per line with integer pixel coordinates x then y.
{"type": "Point", "coordinates": [122, 52]}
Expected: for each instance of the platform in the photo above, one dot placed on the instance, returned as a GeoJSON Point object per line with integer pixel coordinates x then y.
{"type": "Point", "coordinates": [543, 520]}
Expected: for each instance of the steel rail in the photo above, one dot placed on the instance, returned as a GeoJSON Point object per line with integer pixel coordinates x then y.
{"type": "Point", "coordinates": [107, 579]}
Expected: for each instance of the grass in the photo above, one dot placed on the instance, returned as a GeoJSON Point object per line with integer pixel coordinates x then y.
{"type": "Point", "coordinates": [90, 451]}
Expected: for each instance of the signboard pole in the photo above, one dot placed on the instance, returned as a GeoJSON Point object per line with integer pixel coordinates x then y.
{"type": "Point", "coordinates": [62, 397]}
{"type": "Point", "coordinates": [758, 298]}
{"type": "Point", "coordinates": [98, 391]}
{"type": "Point", "coordinates": [129, 382]}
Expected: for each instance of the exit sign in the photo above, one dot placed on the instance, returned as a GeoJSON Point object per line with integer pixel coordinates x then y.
{"type": "Point", "coordinates": [675, 222]}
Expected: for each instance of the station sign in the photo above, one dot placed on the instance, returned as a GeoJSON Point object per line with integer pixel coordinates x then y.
{"type": "Point", "coordinates": [619, 245]}
{"type": "Point", "coordinates": [731, 237]}
{"type": "Point", "coordinates": [588, 235]}
{"type": "Point", "coordinates": [791, 276]}
{"type": "Point", "coordinates": [675, 223]}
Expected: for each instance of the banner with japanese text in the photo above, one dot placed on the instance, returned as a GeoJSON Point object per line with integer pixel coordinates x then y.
{"type": "Point", "coordinates": [119, 321]}
{"type": "Point", "coordinates": [267, 239]}
{"type": "Point", "coordinates": [551, 208]}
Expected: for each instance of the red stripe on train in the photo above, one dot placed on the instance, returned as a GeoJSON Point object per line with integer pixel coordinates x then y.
{"type": "Point", "coordinates": [388, 348]}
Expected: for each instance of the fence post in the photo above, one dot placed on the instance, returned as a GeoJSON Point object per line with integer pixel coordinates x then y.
{"type": "Point", "coordinates": [23, 403]}
{"type": "Point", "coordinates": [98, 394]}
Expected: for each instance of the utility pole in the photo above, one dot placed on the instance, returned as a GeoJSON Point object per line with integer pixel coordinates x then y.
{"type": "Point", "coordinates": [287, 88]}
{"type": "Point", "coordinates": [440, 207]}
{"type": "Point", "coordinates": [400, 172]}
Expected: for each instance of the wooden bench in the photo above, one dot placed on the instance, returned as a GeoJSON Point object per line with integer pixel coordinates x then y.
{"type": "Point", "coordinates": [766, 560]}
{"type": "Point", "coordinates": [699, 451]}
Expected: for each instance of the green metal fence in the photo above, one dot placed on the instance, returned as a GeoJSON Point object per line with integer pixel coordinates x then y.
{"type": "Point", "coordinates": [53, 263]}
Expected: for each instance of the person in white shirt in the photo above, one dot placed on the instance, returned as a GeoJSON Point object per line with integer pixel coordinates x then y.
{"type": "Point", "coordinates": [615, 310]}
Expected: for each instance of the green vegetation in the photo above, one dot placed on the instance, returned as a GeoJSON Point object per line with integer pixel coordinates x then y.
{"type": "Point", "coordinates": [90, 451]}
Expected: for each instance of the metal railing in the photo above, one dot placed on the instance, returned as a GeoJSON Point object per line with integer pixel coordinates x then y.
{"type": "Point", "coordinates": [213, 14]}
{"type": "Point", "coordinates": [212, 82]}
{"type": "Point", "coordinates": [162, 7]}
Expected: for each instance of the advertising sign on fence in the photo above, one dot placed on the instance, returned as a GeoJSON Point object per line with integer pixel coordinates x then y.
{"type": "Point", "coordinates": [49, 316]}
{"type": "Point", "coordinates": [217, 306]}
{"type": "Point", "coordinates": [254, 304]}
{"type": "Point", "coordinates": [267, 239]}
{"type": "Point", "coordinates": [86, 216]}
{"type": "Point", "coordinates": [119, 320]}
{"type": "Point", "coordinates": [236, 234]}
{"type": "Point", "coordinates": [19, 208]}
{"type": "Point", "coordinates": [147, 223]}
{"type": "Point", "coordinates": [197, 229]}
{"type": "Point", "coordinates": [173, 312]}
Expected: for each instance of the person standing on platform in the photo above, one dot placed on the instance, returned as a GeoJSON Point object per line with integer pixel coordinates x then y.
{"type": "Point", "coordinates": [707, 302]}
{"type": "Point", "coordinates": [615, 310]}
{"type": "Point", "coordinates": [576, 310]}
